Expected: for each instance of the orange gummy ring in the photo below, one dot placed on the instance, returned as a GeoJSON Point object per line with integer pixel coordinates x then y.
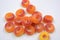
{"type": "Point", "coordinates": [34, 20]}
{"type": "Point", "coordinates": [48, 19]}
{"type": "Point", "coordinates": [39, 27]}
{"type": "Point", "coordinates": [30, 9]}
{"type": "Point", "coordinates": [25, 3]}
{"type": "Point", "coordinates": [20, 13]}
{"type": "Point", "coordinates": [38, 15]}
{"type": "Point", "coordinates": [19, 31]}
{"type": "Point", "coordinates": [9, 27]}
{"type": "Point", "coordinates": [9, 16]}
{"type": "Point", "coordinates": [49, 28]}
{"type": "Point", "coordinates": [30, 30]}
{"type": "Point", "coordinates": [26, 21]}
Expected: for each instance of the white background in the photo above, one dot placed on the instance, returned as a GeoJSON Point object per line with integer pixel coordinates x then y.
{"type": "Point", "coordinates": [51, 7]}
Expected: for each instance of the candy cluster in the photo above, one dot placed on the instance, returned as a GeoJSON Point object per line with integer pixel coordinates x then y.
{"type": "Point", "coordinates": [20, 23]}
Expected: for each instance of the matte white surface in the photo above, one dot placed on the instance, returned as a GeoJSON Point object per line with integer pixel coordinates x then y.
{"type": "Point", "coordinates": [50, 7]}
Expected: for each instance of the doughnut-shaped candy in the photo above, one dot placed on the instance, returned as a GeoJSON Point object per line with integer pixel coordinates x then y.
{"type": "Point", "coordinates": [48, 19]}
{"type": "Point", "coordinates": [9, 16]}
{"type": "Point", "coordinates": [44, 36]}
{"type": "Point", "coordinates": [25, 3]}
{"type": "Point", "coordinates": [49, 28]}
{"type": "Point", "coordinates": [9, 27]}
{"type": "Point", "coordinates": [20, 13]}
{"type": "Point", "coordinates": [19, 31]}
{"type": "Point", "coordinates": [30, 9]}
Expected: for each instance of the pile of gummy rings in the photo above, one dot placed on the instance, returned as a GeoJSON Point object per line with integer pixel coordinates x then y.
{"type": "Point", "coordinates": [19, 23]}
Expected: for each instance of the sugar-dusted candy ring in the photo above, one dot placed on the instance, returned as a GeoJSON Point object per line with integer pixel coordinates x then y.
{"type": "Point", "coordinates": [25, 3]}
{"type": "Point", "coordinates": [44, 36]}
{"type": "Point", "coordinates": [30, 9]}
{"type": "Point", "coordinates": [19, 31]}
{"type": "Point", "coordinates": [49, 27]}
{"type": "Point", "coordinates": [9, 27]}
{"type": "Point", "coordinates": [48, 19]}
{"type": "Point", "coordinates": [20, 13]}
{"type": "Point", "coordinates": [29, 30]}
{"type": "Point", "coordinates": [39, 27]}
{"type": "Point", "coordinates": [9, 16]}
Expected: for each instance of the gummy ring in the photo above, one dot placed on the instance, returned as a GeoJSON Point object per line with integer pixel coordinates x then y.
{"type": "Point", "coordinates": [49, 28]}
{"type": "Point", "coordinates": [9, 16]}
{"type": "Point", "coordinates": [30, 30]}
{"type": "Point", "coordinates": [34, 20]}
{"type": "Point", "coordinates": [19, 31]}
{"type": "Point", "coordinates": [20, 13]}
{"type": "Point", "coordinates": [30, 9]}
{"type": "Point", "coordinates": [26, 21]}
{"type": "Point", "coordinates": [9, 27]}
{"type": "Point", "coordinates": [25, 3]}
{"type": "Point", "coordinates": [38, 15]}
{"type": "Point", "coordinates": [48, 19]}
{"type": "Point", "coordinates": [18, 20]}
{"type": "Point", "coordinates": [39, 27]}
{"type": "Point", "coordinates": [44, 36]}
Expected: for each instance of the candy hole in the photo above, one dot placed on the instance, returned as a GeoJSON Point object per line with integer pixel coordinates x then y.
{"type": "Point", "coordinates": [44, 36]}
